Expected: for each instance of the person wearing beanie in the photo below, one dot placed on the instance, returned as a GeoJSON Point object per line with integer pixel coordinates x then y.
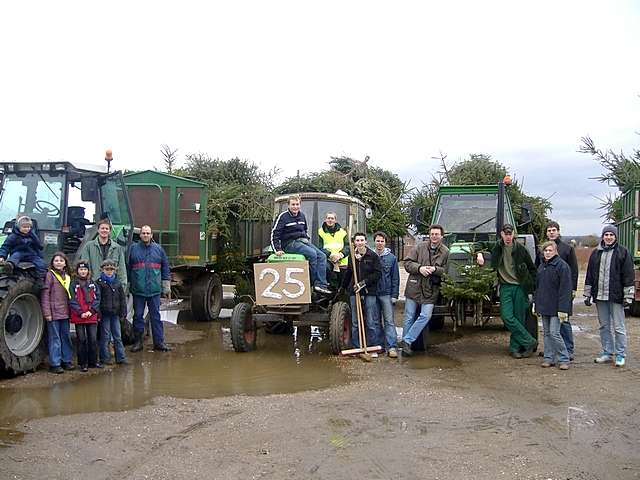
{"type": "Point", "coordinates": [113, 308]}
{"type": "Point", "coordinates": [22, 245]}
{"type": "Point", "coordinates": [610, 283]}
{"type": "Point", "coordinates": [84, 306]}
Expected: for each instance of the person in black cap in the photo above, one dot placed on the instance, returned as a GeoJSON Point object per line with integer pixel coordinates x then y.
{"type": "Point", "coordinates": [516, 276]}
{"type": "Point", "coordinates": [610, 282]}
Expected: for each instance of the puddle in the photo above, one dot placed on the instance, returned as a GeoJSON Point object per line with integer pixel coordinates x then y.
{"type": "Point", "coordinates": [201, 369]}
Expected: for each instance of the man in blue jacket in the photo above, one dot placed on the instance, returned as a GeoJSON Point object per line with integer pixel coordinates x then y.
{"type": "Point", "coordinates": [149, 277]}
{"type": "Point", "coordinates": [388, 291]}
{"type": "Point", "coordinates": [289, 234]}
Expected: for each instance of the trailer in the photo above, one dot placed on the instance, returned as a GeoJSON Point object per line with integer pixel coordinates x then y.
{"type": "Point", "coordinates": [629, 237]}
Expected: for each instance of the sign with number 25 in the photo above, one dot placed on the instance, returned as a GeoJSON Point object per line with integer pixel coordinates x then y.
{"type": "Point", "coordinates": [282, 283]}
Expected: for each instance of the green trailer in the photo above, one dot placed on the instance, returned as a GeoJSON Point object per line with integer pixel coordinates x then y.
{"type": "Point", "coordinates": [629, 237]}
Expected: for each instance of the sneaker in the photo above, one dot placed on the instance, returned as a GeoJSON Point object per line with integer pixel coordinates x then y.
{"type": "Point", "coordinates": [84, 369]}
{"type": "Point", "coordinates": [602, 358]}
{"type": "Point", "coordinates": [374, 355]}
{"type": "Point", "coordinates": [323, 289]}
{"type": "Point", "coordinates": [68, 366]}
{"type": "Point", "coordinates": [546, 364]}
{"type": "Point", "coordinates": [620, 361]}
{"type": "Point", "coordinates": [124, 361]}
{"type": "Point", "coordinates": [96, 365]}
{"type": "Point", "coordinates": [393, 353]}
{"type": "Point", "coordinates": [516, 354]}
{"type": "Point", "coordinates": [161, 348]}
{"type": "Point", "coordinates": [563, 366]}
{"type": "Point", "coordinates": [406, 349]}
{"type": "Point", "coordinates": [57, 369]}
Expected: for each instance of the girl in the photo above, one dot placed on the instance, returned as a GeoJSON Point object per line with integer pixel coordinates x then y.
{"type": "Point", "coordinates": [84, 305]}
{"type": "Point", "coordinates": [55, 309]}
{"type": "Point", "coordinates": [552, 303]}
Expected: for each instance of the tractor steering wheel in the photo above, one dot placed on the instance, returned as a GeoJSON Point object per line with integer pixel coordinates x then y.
{"type": "Point", "coordinates": [40, 208]}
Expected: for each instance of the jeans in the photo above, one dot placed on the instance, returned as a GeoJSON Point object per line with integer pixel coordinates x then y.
{"type": "Point", "coordinates": [372, 325]}
{"type": "Point", "coordinates": [413, 326]}
{"type": "Point", "coordinates": [566, 332]}
{"type": "Point", "coordinates": [153, 304]}
{"type": "Point", "coordinates": [385, 308]}
{"type": "Point", "coordinates": [612, 314]}
{"type": "Point", "coordinates": [110, 327]}
{"type": "Point", "coordinates": [316, 257]}
{"type": "Point", "coordinates": [60, 349]}
{"type": "Point", "coordinates": [86, 334]}
{"type": "Point", "coordinates": [554, 346]}
{"type": "Point", "coordinates": [16, 257]}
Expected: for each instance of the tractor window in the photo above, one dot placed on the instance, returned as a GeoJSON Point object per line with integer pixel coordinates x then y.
{"type": "Point", "coordinates": [468, 213]}
{"type": "Point", "coordinates": [36, 195]}
{"type": "Point", "coordinates": [115, 205]}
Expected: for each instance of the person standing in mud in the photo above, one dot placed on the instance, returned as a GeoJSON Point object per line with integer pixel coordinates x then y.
{"type": "Point", "coordinates": [610, 283]}
{"type": "Point", "coordinates": [516, 276]}
{"type": "Point", "coordinates": [567, 253]}
{"type": "Point", "coordinates": [368, 270]}
{"type": "Point", "coordinates": [425, 265]}
{"type": "Point", "coordinates": [102, 248]}
{"type": "Point", "coordinates": [388, 292]}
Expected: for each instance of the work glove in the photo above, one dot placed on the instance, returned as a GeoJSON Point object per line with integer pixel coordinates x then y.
{"type": "Point", "coordinates": [563, 317]}
{"type": "Point", "coordinates": [627, 302]}
{"type": "Point", "coordinates": [166, 287]}
{"type": "Point", "coordinates": [359, 286]}
{"type": "Point", "coordinates": [573, 295]}
{"type": "Point", "coordinates": [587, 301]}
{"type": "Point", "coordinates": [394, 301]}
{"type": "Point", "coordinates": [530, 298]}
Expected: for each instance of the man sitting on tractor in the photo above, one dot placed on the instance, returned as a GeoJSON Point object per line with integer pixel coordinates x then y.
{"type": "Point", "coordinates": [289, 234]}
{"type": "Point", "coordinates": [334, 243]}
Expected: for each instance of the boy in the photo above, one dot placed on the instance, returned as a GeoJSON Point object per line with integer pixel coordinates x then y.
{"type": "Point", "coordinates": [113, 307]}
{"type": "Point", "coordinates": [22, 245]}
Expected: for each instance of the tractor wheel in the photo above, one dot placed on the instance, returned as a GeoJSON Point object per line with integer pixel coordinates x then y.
{"type": "Point", "coordinates": [243, 328]}
{"type": "Point", "coordinates": [340, 327]}
{"type": "Point", "coordinates": [206, 297]}
{"type": "Point", "coordinates": [22, 327]}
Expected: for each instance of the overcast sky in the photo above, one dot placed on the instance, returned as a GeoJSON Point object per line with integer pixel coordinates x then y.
{"type": "Point", "coordinates": [291, 83]}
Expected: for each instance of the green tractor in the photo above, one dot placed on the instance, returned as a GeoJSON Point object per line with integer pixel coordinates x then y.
{"type": "Point", "coordinates": [64, 200]}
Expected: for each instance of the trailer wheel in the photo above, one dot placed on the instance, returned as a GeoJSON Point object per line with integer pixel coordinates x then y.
{"type": "Point", "coordinates": [243, 328]}
{"type": "Point", "coordinates": [22, 332]}
{"type": "Point", "coordinates": [340, 327]}
{"type": "Point", "coordinates": [206, 297]}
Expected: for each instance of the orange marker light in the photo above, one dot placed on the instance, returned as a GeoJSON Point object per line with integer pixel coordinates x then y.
{"type": "Point", "coordinates": [507, 180]}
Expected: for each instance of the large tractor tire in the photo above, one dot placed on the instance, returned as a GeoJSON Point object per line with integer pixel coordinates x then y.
{"type": "Point", "coordinates": [206, 297]}
{"type": "Point", "coordinates": [243, 328]}
{"type": "Point", "coordinates": [22, 327]}
{"type": "Point", "coordinates": [634, 309]}
{"type": "Point", "coordinates": [340, 327]}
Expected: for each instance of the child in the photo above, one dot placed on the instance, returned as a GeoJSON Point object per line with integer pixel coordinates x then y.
{"type": "Point", "coordinates": [22, 245]}
{"type": "Point", "coordinates": [55, 309]}
{"type": "Point", "coordinates": [84, 306]}
{"type": "Point", "coordinates": [113, 307]}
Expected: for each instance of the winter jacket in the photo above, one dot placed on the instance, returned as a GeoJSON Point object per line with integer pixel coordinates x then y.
{"type": "Point", "coordinates": [425, 290]}
{"type": "Point", "coordinates": [567, 253]}
{"type": "Point", "coordinates": [148, 267]}
{"type": "Point", "coordinates": [389, 283]}
{"type": "Point", "coordinates": [85, 297]}
{"type": "Point", "coordinates": [54, 298]}
{"type": "Point", "coordinates": [334, 240]}
{"type": "Point", "coordinates": [287, 228]}
{"type": "Point", "coordinates": [553, 287]}
{"type": "Point", "coordinates": [523, 265]}
{"type": "Point", "coordinates": [621, 274]}
{"type": "Point", "coordinates": [92, 253]}
{"type": "Point", "coordinates": [368, 269]}
{"type": "Point", "coordinates": [113, 300]}
{"type": "Point", "coordinates": [17, 242]}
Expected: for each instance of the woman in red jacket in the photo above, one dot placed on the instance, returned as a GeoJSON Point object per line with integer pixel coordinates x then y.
{"type": "Point", "coordinates": [84, 306]}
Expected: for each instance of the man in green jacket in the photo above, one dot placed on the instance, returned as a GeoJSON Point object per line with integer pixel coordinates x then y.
{"type": "Point", "coordinates": [102, 248]}
{"type": "Point", "coordinates": [516, 276]}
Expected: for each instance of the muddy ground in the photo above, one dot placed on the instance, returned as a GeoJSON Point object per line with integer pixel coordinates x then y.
{"type": "Point", "coordinates": [465, 409]}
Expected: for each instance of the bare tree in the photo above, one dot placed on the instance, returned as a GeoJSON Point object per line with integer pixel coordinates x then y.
{"type": "Point", "coordinates": [169, 157]}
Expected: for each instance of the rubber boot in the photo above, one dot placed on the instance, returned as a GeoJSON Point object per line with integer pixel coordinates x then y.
{"type": "Point", "coordinates": [138, 343]}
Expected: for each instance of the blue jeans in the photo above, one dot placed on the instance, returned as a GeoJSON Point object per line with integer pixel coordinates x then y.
{"type": "Point", "coordinates": [60, 349]}
{"type": "Point", "coordinates": [316, 257]}
{"type": "Point", "coordinates": [153, 304]}
{"type": "Point", "coordinates": [612, 314]}
{"type": "Point", "coordinates": [110, 327]}
{"type": "Point", "coordinates": [566, 332]}
{"type": "Point", "coordinates": [413, 326]}
{"type": "Point", "coordinates": [385, 308]}
{"type": "Point", "coordinates": [16, 257]}
{"type": "Point", "coordinates": [554, 346]}
{"type": "Point", "coordinates": [373, 328]}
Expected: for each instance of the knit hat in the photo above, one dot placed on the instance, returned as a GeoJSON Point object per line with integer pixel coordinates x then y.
{"type": "Point", "coordinates": [23, 220]}
{"type": "Point", "coordinates": [82, 264]}
{"type": "Point", "coordinates": [610, 229]}
{"type": "Point", "coordinates": [108, 263]}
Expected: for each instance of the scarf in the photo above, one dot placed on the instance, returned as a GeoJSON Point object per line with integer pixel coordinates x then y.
{"type": "Point", "coordinates": [107, 279]}
{"type": "Point", "coordinates": [65, 280]}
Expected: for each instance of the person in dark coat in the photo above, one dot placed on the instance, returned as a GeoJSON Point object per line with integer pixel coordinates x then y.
{"type": "Point", "coordinates": [22, 245]}
{"type": "Point", "coordinates": [84, 306]}
{"type": "Point", "coordinates": [567, 253]}
{"type": "Point", "coordinates": [113, 307]}
{"type": "Point", "coordinates": [553, 302]}
{"type": "Point", "coordinates": [54, 301]}
{"type": "Point", "coordinates": [610, 283]}
{"type": "Point", "coordinates": [368, 271]}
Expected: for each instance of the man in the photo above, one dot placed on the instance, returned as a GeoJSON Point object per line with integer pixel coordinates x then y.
{"type": "Point", "coordinates": [567, 253]}
{"type": "Point", "coordinates": [516, 278]}
{"type": "Point", "coordinates": [368, 270]}
{"type": "Point", "coordinates": [150, 276]}
{"type": "Point", "coordinates": [289, 234]}
{"type": "Point", "coordinates": [425, 264]}
{"type": "Point", "coordinates": [610, 282]}
{"type": "Point", "coordinates": [388, 292]}
{"type": "Point", "coordinates": [334, 243]}
{"type": "Point", "coordinates": [102, 248]}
